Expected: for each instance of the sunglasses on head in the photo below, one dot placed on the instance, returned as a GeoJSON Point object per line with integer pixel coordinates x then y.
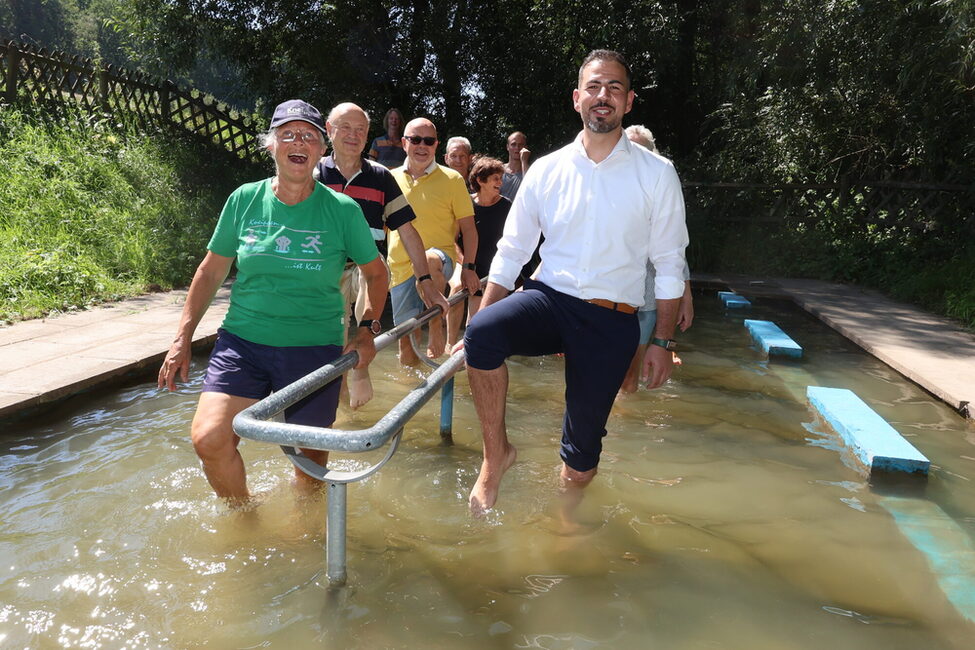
{"type": "Point", "coordinates": [416, 139]}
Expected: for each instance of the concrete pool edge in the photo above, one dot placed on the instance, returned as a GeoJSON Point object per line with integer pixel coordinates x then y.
{"type": "Point", "coordinates": [46, 361]}
{"type": "Point", "coordinates": [930, 351]}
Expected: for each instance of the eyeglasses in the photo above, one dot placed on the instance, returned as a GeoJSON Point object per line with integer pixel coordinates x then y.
{"type": "Point", "coordinates": [308, 137]}
{"type": "Point", "coordinates": [416, 139]}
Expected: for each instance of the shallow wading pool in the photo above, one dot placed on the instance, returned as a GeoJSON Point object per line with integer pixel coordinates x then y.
{"type": "Point", "coordinates": [723, 516]}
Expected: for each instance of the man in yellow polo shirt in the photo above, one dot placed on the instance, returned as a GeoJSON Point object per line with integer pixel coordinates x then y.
{"type": "Point", "coordinates": [438, 196]}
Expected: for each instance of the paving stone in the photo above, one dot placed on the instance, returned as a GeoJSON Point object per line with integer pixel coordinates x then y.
{"type": "Point", "coordinates": [60, 377]}
{"type": "Point", "coordinates": [27, 330]}
{"type": "Point", "coordinates": [104, 332]}
{"type": "Point", "coordinates": [28, 353]}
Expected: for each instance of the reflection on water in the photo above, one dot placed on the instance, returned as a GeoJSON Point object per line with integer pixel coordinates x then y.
{"type": "Point", "coordinates": [723, 516]}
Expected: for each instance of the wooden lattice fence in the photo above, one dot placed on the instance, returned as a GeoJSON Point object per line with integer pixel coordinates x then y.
{"type": "Point", "coordinates": [36, 75]}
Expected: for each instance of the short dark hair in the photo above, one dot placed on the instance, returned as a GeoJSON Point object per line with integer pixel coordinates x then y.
{"type": "Point", "coordinates": [607, 55]}
{"type": "Point", "coordinates": [484, 168]}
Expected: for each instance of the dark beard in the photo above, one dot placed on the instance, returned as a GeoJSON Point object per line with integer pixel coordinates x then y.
{"type": "Point", "coordinates": [602, 127]}
{"type": "Point", "coordinates": [597, 126]}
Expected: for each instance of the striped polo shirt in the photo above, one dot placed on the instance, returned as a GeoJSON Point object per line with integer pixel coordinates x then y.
{"type": "Point", "coordinates": [376, 192]}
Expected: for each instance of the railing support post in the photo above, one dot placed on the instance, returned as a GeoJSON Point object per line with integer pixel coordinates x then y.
{"type": "Point", "coordinates": [447, 409]}
{"type": "Point", "coordinates": [335, 535]}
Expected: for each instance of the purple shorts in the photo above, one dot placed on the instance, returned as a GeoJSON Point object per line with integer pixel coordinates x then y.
{"type": "Point", "coordinates": [244, 369]}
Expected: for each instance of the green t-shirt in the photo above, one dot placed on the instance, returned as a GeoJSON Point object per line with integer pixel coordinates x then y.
{"type": "Point", "coordinates": [289, 263]}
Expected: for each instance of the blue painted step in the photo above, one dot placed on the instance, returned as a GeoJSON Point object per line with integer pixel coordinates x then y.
{"type": "Point", "coordinates": [946, 546]}
{"type": "Point", "coordinates": [873, 441]}
{"type": "Point", "coordinates": [733, 300]}
{"type": "Point", "coordinates": [772, 340]}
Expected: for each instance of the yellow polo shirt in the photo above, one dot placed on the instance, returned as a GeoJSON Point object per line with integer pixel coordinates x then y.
{"type": "Point", "coordinates": [439, 198]}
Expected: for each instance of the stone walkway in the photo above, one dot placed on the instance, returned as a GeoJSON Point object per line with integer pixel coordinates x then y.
{"type": "Point", "coordinates": [42, 361]}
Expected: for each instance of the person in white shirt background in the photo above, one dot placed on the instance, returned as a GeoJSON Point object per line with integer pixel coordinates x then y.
{"type": "Point", "coordinates": [648, 311]}
{"type": "Point", "coordinates": [605, 206]}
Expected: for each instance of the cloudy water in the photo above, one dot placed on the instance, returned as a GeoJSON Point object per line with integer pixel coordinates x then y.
{"type": "Point", "coordinates": [723, 516]}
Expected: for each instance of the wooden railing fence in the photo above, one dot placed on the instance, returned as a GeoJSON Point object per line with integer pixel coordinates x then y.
{"type": "Point", "coordinates": [36, 75]}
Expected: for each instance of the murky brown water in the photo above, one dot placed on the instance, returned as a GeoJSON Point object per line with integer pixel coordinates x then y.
{"type": "Point", "coordinates": [722, 517]}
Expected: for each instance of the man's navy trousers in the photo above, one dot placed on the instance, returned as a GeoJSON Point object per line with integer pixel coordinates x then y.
{"type": "Point", "coordinates": [598, 344]}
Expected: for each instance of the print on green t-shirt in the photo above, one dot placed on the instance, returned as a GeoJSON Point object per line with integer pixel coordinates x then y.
{"type": "Point", "coordinates": [289, 263]}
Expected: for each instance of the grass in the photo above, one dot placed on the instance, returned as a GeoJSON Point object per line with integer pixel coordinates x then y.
{"type": "Point", "coordinates": [94, 210]}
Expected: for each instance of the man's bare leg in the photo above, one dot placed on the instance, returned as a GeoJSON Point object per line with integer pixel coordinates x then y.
{"type": "Point", "coordinates": [306, 484]}
{"type": "Point", "coordinates": [216, 444]}
{"type": "Point", "coordinates": [489, 389]}
{"type": "Point", "coordinates": [571, 484]}
{"type": "Point", "coordinates": [632, 380]}
{"type": "Point", "coordinates": [456, 312]}
{"type": "Point", "coordinates": [438, 337]}
{"type": "Point", "coordinates": [407, 356]}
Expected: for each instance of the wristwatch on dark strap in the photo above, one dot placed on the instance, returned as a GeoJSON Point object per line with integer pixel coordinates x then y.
{"type": "Point", "coordinates": [374, 326]}
{"type": "Point", "coordinates": [667, 344]}
{"type": "Point", "coordinates": [470, 266]}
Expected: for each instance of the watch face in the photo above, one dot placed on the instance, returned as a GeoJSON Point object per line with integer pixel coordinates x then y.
{"type": "Point", "coordinates": [376, 327]}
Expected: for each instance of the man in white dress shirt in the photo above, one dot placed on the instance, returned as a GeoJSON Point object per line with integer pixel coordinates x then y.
{"type": "Point", "coordinates": [605, 206]}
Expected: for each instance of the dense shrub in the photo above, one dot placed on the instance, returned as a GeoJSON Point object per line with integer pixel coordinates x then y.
{"type": "Point", "coordinates": [92, 210]}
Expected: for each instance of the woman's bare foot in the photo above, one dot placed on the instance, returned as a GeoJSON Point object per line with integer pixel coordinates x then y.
{"type": "Point", "coordinates": [360, 387]}
{"type": "Point", "coordinates": [484, 494]}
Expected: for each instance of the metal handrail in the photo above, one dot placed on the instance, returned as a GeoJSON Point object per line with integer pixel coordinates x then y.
{"type": "Point", "coordinates": [254, 423]}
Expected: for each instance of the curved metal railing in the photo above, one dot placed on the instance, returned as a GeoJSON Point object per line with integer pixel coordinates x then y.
{"type": "Point", "coordinates": [255, 423]}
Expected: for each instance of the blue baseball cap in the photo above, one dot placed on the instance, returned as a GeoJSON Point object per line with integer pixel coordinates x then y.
{"type": "Point", "coordinates": [296, 109]}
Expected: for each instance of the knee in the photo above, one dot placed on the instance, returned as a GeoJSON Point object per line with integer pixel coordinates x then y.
{"type": "Point", "coordinates": [575, 478]}
{"type": "Point", "coordinates": [211, 441]}
{"type": "Point", "coordinates": [435, 264]}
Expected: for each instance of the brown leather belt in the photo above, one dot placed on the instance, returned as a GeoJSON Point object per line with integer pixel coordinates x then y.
{"type": "Point", "coordinates": [615, 306]}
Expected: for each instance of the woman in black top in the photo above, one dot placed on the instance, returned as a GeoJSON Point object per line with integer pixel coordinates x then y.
{"type": "Point", "coordinates": [490, 211]}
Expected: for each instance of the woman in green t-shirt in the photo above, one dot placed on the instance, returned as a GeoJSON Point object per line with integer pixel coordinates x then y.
{"type": "Point", "coordinates": [290, 237]}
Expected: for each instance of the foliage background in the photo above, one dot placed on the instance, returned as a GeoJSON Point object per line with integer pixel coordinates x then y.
{"type": "Point", "coordinates": [791, 91]}
{"type": "Point", "coordinates": [92, 209]}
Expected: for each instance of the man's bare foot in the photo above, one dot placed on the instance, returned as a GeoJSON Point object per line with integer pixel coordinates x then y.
{"type": "Point", "coordinates": [360, 387]}
{"type": "Point", "coordinates": [485, 491]}
{"type": "Point", "coordinates": [438, 339]}
{"type": "Point", "coordinates": [407, 356]}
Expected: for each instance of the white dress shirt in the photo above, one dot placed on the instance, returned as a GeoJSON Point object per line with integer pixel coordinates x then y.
{"type": "Point", "coordinates": [649, 302]}
{"type": "Point", "coordinates": [601, 221]}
